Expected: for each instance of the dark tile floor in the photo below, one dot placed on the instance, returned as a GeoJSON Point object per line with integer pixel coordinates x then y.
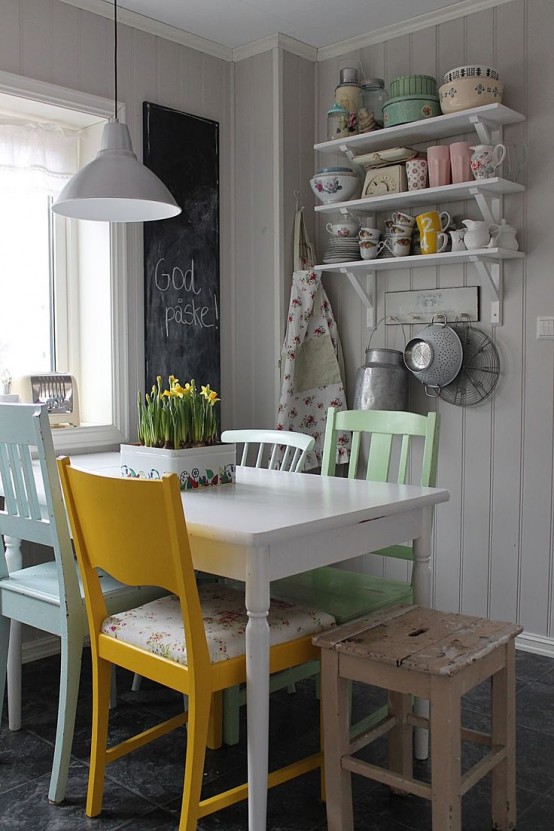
{"type": "Point", "coordinates": [143, 790]}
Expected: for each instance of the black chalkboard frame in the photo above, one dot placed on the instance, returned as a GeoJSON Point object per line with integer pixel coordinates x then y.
{"type": "Point", "coordinates": [181, 254]}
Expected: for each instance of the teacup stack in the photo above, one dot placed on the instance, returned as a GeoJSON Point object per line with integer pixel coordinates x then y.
{"type": "Point", "coordinates": [342, 245]}
{"type": "Point", "coordinates": [399, 229]}
{"type": "Point", "coordinates": [369, 243]}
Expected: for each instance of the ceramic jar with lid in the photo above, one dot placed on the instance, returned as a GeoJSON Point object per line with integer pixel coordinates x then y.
{"type": "Point", "coordinates": [347, 95]}
{"type": "Point", "coordinates": [374, 95]}
{"type": "Point", "coordinates": [506, 237]}
{"type": "Point", "coordinates": [337, 122]}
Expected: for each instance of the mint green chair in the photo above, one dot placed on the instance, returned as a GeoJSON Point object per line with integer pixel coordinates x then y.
{"type": "Point", "coordinates": [48, 596]}
{"type": "Point", "coordinates": [346, 594]}
{"type": "Point", "coordinates": [391, 457]}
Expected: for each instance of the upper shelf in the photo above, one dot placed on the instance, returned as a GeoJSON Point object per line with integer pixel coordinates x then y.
{"type": "Point", "coordinates": [427, 129]}
{"type": "Point", "coordinates": [428, 196]}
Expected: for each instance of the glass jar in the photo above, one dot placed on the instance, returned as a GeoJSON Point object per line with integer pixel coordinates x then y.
{"type": "Point", "coordinates": [373, 96]}
{"type": "Point", "coordinates": [347, 95]}
{"type": "Point", "coordinates": [337, 122]}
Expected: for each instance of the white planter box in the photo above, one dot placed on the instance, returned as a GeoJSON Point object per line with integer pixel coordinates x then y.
{"type": "Point", "coordinates": [196, 467]}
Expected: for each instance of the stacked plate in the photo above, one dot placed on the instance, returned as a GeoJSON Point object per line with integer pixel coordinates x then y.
{"type": "Point", "coordinates": [342, 249]}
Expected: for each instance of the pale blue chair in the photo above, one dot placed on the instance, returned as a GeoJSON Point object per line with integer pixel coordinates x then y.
{"type": "Point", "coordinates": [48, 596]}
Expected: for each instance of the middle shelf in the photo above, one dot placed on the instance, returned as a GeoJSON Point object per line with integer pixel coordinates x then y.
{"type": "Point", "coordinates": [491, 188]}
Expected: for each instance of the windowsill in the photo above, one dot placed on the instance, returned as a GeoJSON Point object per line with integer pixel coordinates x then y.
{"type": "Point", "coordinates": [87, 438]}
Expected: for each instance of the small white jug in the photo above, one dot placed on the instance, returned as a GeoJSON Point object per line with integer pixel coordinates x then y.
{"type": "Point", "coordinates": [479, 233]}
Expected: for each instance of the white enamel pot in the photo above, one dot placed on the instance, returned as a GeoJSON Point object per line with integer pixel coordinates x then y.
{"type": "Point", "coordinates": [435, 356]}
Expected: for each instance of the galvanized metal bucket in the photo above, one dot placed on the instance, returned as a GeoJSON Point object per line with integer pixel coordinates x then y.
{"type": "Point", "coordinates": [382, 382]}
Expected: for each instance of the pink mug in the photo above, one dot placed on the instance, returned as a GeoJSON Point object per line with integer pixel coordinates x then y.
{"type": "Point", "coordinates": [460, 161]}
{"type": "Point", "coordinates": [438, 165]}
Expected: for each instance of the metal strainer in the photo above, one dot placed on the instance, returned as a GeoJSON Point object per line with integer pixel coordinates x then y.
{"type": "Point", "coordinates": [435, 356]}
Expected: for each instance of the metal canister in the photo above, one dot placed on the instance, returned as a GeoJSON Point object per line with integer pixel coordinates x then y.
{"type": "Point", "coordinates": [382, 382]}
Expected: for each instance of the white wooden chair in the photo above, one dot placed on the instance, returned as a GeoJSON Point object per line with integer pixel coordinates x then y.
{"type": "Point", "coordinates": [276, 450]}
{"type": "Point", "coordinates": [273, 449]}
{"type": "Point", "coordinates": [47, 596]}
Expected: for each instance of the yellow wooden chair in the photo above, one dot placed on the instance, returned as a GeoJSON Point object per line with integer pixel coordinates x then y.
{"type": "Point", "coordinates": [136, 530]}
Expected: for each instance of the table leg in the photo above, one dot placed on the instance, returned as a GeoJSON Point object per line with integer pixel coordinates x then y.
{"type": "Point", "coordinates": [257, 686]}
{"type": "Point", "coordinates": [13, 677]}
{"type": "Point", "coordinates": [421, 581]}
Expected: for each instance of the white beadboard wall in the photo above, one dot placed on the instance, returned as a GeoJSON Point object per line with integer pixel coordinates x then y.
{"type": "Point", "coordinates": [493, 541]}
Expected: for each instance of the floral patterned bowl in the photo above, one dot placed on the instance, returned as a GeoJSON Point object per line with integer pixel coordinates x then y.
{"type": "Point", "coordinates": [334, 187]}
{"type": "Point", "coordinates": [466, 93]}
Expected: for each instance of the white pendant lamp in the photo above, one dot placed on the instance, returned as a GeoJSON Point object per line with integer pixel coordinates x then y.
{"type": "Point", "coordinates": [115, 186]}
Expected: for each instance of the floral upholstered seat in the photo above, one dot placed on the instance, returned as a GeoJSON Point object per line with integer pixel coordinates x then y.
{"type": "Point", "coordinates": [158, 626]}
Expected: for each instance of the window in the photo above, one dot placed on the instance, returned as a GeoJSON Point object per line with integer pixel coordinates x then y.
{"type": "Point", "coordinates": [61, 308]}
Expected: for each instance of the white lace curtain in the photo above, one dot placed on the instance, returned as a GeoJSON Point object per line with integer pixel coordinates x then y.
{"type": "Point", "coordinates": [38, 156]}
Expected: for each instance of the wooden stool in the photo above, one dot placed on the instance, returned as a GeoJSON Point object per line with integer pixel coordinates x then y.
{"type": "Point", "coordinates": [411, 651]}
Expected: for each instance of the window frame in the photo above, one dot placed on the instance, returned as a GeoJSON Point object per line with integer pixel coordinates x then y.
{"type": "Point", "coordinates": [103, 436]}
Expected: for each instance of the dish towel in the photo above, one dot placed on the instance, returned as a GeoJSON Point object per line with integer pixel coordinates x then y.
{"type": "Point", "coordinates": [310, 366]}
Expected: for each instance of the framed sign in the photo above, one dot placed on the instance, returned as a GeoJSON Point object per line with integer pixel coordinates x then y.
{"type": "Point", "coordinates": [181, 254]}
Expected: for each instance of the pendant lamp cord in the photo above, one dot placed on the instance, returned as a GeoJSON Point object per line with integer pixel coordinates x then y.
{"type": "Point", "coordinates": [115, 57]}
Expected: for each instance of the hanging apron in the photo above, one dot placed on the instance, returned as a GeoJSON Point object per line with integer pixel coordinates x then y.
{"type": "Point", "coordinates": [311, 357]}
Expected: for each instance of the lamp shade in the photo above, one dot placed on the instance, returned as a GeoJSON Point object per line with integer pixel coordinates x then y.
{"type": "Point", "coordinates": [115, 186]}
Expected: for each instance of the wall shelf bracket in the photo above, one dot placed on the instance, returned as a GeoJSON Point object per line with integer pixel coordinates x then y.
{"type": "Point", "coordinates": [481, 128]}
{"type": "Point", "coordinates": [490, 208]}
{"type": "Point", "coordinates": [366, 298]}
{"type": "Point", "coordinates": [491, 273]}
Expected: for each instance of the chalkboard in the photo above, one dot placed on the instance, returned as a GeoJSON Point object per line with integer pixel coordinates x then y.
{"type": "Point", "coordinates": [181, 254]}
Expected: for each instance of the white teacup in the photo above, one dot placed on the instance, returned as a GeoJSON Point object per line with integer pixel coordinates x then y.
{"type": "Point", "coordinates": [398, 245]}
{"type": "Point", "coordinates": [342, 229]}
{"type": "Point", "coordinates": [399, 229]}
{"type": "Point", "coordinates": [369, 233]}
{"type": "Point", "coordinates": [401, 218]}
{"type": "Point", "coordinates": [369, 248]}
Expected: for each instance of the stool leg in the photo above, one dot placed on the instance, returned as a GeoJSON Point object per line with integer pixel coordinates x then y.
{"type": "Point", "coordinates": [503, 733]}
{"type": "Point", "coordinates": [446, 753]}
{"type": "Point", "coordinates": [336, 721]}
{"type": "Point", "coordinates": [400, 737]}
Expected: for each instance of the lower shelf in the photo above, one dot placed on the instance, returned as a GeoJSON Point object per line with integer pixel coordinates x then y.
{"type": "Point", "coordinates": [487, 261]}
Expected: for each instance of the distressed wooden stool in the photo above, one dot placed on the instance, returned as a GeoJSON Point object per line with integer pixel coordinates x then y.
{"type": "Point", "coordinates": [439, 656]}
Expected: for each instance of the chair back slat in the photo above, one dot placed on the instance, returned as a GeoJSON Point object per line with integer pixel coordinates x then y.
{"type": "Point", "coordinates": [33, 505]}
{"type": "Point", "coordinates": [275, 449]}
{"type": "Point", "coordinates": [390, 454]}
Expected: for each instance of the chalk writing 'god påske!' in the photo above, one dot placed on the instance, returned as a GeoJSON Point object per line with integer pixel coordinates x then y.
{"type": "Point", "coordinates": [187, 311]}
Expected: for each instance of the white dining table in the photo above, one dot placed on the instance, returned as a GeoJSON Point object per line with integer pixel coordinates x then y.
{"type": "Point", "coordinates": [271, 524]}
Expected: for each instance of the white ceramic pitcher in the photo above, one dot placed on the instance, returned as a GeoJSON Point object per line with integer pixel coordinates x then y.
{"type": "Point", "coordinates": [479, 233]}
{"type": "Point", "coordinates": [486, 158]}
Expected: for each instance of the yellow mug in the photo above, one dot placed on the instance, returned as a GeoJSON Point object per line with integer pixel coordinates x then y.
{"type": "Point", "coordinates": [433, 242]}
{"type": "Point", "coordinates": [433, 221]}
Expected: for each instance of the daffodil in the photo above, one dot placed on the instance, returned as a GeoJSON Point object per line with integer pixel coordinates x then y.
{"type": "Point", "coordinates": [179, 416]}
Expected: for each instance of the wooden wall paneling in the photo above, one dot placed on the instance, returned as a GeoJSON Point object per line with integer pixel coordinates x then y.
{"type": "Point", "coordinates": [65, 45]}
{"type": "Point", "coordinates": [536, 541]}
{"type": "Point", "coordinates": [263, 231]}
{"type": "Point", "coordinates": [169, 77]}
{"type": "Point", "coordinates": [10, 37]}
{"type": "Point", "coordinates": [506, 555]}
{"type": "Point", "coordinates": [96, 54]}
{"type": "Point", "coordinates": [191, 81]}
{"type": "Point", "coordinates": [36, 39]}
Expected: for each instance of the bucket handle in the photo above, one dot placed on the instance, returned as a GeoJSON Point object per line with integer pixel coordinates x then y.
{"type": "Point", "coordinates": [390, 317]}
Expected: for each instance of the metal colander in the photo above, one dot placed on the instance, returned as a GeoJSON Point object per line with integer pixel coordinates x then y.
{"type": "Point", "coordinates": [435, 356]}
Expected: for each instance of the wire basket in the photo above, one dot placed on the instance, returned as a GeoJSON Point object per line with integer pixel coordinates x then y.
{"type": "Point", "coordinates": [480, 368]}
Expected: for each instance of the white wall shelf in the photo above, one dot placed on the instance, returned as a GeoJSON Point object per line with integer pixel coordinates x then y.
{"type": "Point", "coordinates": [484, 120]}
{"type": "Point", "coordinates": [487, 121]}
{"type": "Point", "coordinates": [489, 188]}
